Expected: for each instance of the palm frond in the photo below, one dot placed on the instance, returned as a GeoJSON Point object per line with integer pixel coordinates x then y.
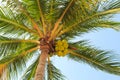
{"type": "Point", "coordinates": [53, 73]}
{"type": "Point", "coordinates": [10, 45]}
{"type": "Point", "coordinates": [77, 21]}
{"type": "Point", "coordinates": [17, 62]}
{"type": "Point", "coordinates": [12, 57]}
{"type": "Point", "coordinates": [112, 4]}
{"type": "Point", "coordinates": [12, 21]}
{"type": "Point", "coordinates": [32, 9]}
{"type": "Point", "coordinates": [99, 59]}
{"type": "Point", "coordinates": [19, 6]}
{"type": "Point", "coordinates": [34, 23]}
{"type": "Point", "coordinates": [30, 72]}
{"type": "Point", "coordinates": [7, 48]}
{"type": "Point", "coordinates": [108, 24]}
{"type": "Point", "coordinates": [39, 11]}
{"type": "Point", "coordinates": [57, 23]}
{"type": "Point", "coordinates": [40, 3]}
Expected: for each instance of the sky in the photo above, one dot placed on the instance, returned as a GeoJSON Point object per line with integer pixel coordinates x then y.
{"type": "Point", "coordinates": [106, 39]}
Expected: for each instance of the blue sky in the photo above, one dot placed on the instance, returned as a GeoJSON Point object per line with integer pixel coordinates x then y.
{"type": "Point", "coordinates": [106, 39]}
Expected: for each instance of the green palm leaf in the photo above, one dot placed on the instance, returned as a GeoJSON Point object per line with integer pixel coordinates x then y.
{"type": "Point", "coordinates": [9, 46]}
{"type": "Point", "coordinates": [18, 61]}
{"type": "Point", "coordinates": [11, 22]}
{"type": "Point", "coordinates": [53, 73]}
{"type": "Point", "coordinates": [99, 59]}
{"type": "Point", "coordinates": [79, 22]}
{"type": "Point", "coordinates": [30, 72]}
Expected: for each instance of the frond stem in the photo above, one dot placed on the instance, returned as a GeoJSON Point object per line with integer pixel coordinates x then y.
{"type": "Point", "coordinates": [90, 60]}
{"type": "Point", "coordinates": [35, 25]}
{"type": "Point", "coordinates": [88, 18]}
{"type": "Point", "coordinates": [18, 25]}
{"type": "Point", "coordinates": [60, 19]}
{"type": "Point", "coordinates": [42, 17]}
{"type": "Point", "coordinates": [30, 50]}
{"type": "Point", "coordinates": [16, 41]}
{"type": "Point", "coordinates": [56, 33]}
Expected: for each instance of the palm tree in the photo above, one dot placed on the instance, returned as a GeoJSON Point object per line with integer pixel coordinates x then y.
{"type": "Point", "coordinates": [33, 31]}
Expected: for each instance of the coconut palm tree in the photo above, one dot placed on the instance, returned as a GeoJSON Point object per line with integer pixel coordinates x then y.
{"type": "Point", "coordinates": [33, 31]}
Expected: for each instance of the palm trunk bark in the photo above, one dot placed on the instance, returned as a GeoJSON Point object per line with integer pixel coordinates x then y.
{"type": "Point", "coordinates": [40, 71]}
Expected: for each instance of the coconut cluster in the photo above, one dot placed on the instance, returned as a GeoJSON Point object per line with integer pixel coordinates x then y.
{"type": "Point", "coordinates": [61, 48]}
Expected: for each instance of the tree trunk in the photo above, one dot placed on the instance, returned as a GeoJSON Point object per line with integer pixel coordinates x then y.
{"type": "Point", "coordinates": [40, 71]}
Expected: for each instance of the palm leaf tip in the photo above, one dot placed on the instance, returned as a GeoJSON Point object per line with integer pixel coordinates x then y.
{"type": "Point", "coordinates": [99, 59]}
{"type": "Point", "coordinates": [30, 72]}
{"type": "Point", "coordinates": [53, 73]}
